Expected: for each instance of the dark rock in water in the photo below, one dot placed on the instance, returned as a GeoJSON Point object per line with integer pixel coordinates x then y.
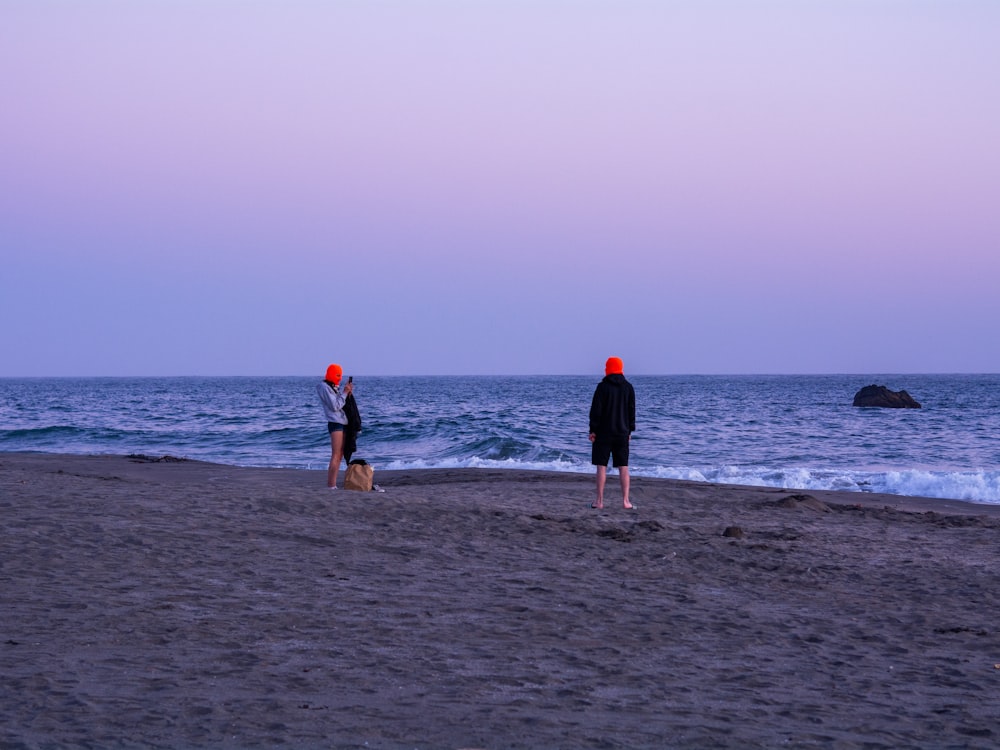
{"type": "Point", "coordinates": [879, 395]}
{"type": "Point", "coordinates": [734, 532]}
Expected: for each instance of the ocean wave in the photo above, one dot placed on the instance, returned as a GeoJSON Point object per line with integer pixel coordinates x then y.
{"type": "Point", "coordinates": [30, 438]}
{"type": "Point", "coordinates": [474, 462]}
{"type": "Point", "coordinates": [30, 433]}
{"type": "Point", "coordinates": [972, 486]}
{"type": "Point", "coordinates": [978, 486]}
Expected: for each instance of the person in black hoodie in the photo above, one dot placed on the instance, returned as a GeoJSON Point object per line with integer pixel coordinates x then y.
{"type": "Point", "coordinates": [612, 422]}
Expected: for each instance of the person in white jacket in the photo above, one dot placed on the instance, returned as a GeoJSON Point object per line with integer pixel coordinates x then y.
{"type": "Point", "coordinates": [333, 400]}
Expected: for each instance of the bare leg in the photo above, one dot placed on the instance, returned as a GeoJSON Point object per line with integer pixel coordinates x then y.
{"type": "Point", "coordinates": [602, 477]}
{"type": "Point", "coordinates": [336, 456]}
{"type": "Point", "coordinates": [623, 471]}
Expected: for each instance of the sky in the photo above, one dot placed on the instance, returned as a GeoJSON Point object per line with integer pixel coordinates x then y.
{"type": "Point", "coordinates": [434, 187]}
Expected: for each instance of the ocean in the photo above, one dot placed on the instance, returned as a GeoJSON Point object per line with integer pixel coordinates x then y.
{"type": "Point", "coordinates": [781, 431]}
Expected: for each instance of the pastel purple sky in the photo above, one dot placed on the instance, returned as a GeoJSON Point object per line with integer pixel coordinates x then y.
{"type": "Point", "coordinates": [429, 187]}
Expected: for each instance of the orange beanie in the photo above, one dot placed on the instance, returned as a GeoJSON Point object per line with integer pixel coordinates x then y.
{"type": "Point", "coordinates": [334, 373]}
{"type": "Point", "coordinates": [614, 366]}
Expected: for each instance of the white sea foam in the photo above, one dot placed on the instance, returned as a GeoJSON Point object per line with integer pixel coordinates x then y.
{"type": "Point", "coordinates": [486, 463]}
{"type": "Point", "coordinates": [974, 486]}
{"type": "Point", "coordinates": [977, 486]}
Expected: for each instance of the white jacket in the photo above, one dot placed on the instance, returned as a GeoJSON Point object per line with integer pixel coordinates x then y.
{"type": "Point", "coordinates": [333, 402]}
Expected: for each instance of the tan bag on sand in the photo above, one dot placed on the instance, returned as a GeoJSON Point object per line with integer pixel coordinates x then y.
{"type": "Point", "coordinates": [359, 476]}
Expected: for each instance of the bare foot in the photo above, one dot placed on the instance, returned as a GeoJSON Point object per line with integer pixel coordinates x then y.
{"type": "Point", "coordinates": [628, 505]}
{"type": "Point", "coordinates": [597, 506]}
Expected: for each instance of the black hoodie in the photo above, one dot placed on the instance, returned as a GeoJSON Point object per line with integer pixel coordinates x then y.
{"type": "Point", "coordinates": [612, 412]}
{"type": "Point", "coordinates": [352, 428]}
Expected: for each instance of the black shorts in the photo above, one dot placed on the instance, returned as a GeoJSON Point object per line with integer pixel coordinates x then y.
{"type": "Point", "coordinates": [616, 448]}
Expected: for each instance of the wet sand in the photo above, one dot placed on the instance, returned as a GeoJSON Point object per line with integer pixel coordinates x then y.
{"type": "Point", "coordinates": [183, 604]}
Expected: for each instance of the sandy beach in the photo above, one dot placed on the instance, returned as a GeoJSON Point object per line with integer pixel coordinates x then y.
{"type": "Point", "coordinates": [176, 604]}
